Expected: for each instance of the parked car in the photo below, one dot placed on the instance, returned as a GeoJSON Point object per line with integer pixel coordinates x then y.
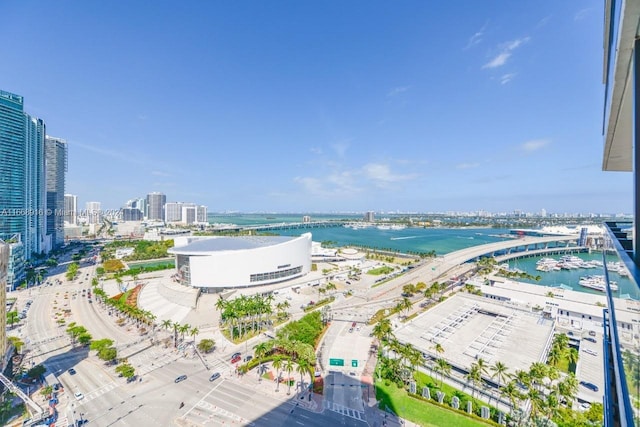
{"type": "Point", "coordinates": [71, 371]}
{"type": "Point", "coordinates": [589, 385]}
{"type": "Point", "coordinates": [592, 333]}
{"type": "Point", "coordinates": [181, 378]}
{"type": "Point", "coordinates": [215, 376]}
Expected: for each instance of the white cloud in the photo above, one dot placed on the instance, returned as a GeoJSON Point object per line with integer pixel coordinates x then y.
{"type": "Point", "coordinates": [498, 61]}
{"type": "Point", "coordinates": [506, 50]}
{"type": "Point", "coordinates": [381, 173]}
{"type": "Point", "coordinates": [334, 185]}
{"type": "Point", "coordinates": [477, 37]}
{"type": "Point", "coordinates": [315, 150]}
{"type": "Point", "coordinates": [534, 145]}
{"type": "Point", "coordinates": [341, 147]}
{"type": "Point", "coordinates": [581, 14]}
{"type": "Point", "coordinates": [398, 90]}
{"type": "Point", "coordinates": [506, 78]}
{"type": "Point", "coordinates": [467, 165]}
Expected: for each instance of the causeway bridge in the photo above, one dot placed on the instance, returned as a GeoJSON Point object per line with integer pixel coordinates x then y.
{"type": "Point", "coordinates": [517, 248]}
{"type": "Point", "coordinates": [294, 225]}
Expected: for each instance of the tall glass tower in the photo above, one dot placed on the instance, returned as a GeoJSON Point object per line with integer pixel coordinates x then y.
{"type": "Point", "coordinates": [56, 168]}
{"type": "Point", "coordinates": [12, 164]}
{"type": "Point", "coordinates": [22, 175]}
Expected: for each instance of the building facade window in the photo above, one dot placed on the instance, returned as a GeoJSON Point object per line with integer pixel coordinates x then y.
{"type": "Point", "coordinates": [274, 275]}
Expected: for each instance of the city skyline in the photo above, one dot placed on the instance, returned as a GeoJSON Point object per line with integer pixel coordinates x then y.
{"type": "Point", "coordinates": [332, 109]}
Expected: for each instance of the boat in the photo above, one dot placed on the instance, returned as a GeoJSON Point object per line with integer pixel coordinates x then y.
{"type": "Point", "coordinates": [546, 264]}
{"type": "Point", "coordinates": [597, 282]}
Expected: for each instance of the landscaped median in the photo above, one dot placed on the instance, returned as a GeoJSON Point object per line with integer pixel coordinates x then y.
{"type": "Point", "coordinates": [422, 411]}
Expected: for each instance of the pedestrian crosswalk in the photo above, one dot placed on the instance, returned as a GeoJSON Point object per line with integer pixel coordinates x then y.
{"type": "Point", "coordinates": [105, 388]}
{"type": "Point", "coordinates": [344, 410]}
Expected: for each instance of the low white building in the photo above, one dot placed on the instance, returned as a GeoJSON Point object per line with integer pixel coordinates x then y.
{"type": "Point", "coordinates": [123, 252]}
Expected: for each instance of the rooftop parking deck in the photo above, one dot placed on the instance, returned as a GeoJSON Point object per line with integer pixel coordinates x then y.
{"type": "Point", "coordinates": [469, 328]}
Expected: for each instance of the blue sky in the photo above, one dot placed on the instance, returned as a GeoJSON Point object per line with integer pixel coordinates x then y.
{"type": "Point", "coordinates": [300, 106]}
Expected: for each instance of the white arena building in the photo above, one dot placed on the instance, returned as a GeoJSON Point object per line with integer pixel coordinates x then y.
{"type": "Point", "coordinates": [212, 263]}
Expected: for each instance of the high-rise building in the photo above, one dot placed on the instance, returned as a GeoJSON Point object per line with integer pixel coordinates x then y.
{"type": "Point", "coordinates": [4, 264]}
{"type": "Point", "coordinates": [12, 164]}
{"type": "Point", "coordinates": [35, 239]}
{"type": "Point", "coordinates": [155, 206]}
{"type": "Point", "coordinates": [201, 214]}
{"type": "Point", "coordinates": [188, 213]}
{"type": "Point", "coordinates": [620, 355]}
{"type": "Point", "coordinates": [56, 168]}
{"type": "Point", "coordinates": [22, 175]}
{"type": "Point", "coordinates": [142, 206]}
{"type": "Point", "coordinates": [71, 209]}
{"type": "Point", "coordinates": [173, 211]}
{"type": "Point", "coordinates": [94, 214]}
{"type": "Point", "coordinates": [131, 214]}
{"type": "Point", "coordinates": [369, 216]}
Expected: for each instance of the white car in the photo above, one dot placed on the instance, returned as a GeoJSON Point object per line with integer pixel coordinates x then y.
{"type": "Point", "coordinates": [78, 395]}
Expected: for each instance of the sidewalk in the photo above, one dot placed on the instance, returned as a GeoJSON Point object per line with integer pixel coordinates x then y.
{"type": "Point", "coordinates": [268, 387]}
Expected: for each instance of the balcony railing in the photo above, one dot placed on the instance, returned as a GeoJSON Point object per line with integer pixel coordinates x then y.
{"type": "Point", "coordinates": [621, 358]}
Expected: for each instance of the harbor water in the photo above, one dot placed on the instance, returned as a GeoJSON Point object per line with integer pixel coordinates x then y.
{"type": "Point", "coordinates": [440, 240]}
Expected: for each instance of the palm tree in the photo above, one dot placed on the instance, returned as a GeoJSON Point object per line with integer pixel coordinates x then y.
{"type": "Point", "coordinates": [573, 355]}
{"type": "Point", "coordinates": [221, 304]}
{"type": "Point", "coordinates": [303, 367]}
{"type": "Point", "coordinates": [554, 356]}
{"type": "Point", "coordinates": [474, 377]}
{"type": "Point", "coordinates": [261, 350]}
{"type": "Point", "coordinates": [406, 305]}
{"type": "Point", "coordinates": [193, 332]}
{"type": "Point", "coordinates": [184, 329]}
{"type": "Point", "coordinates": [288, 366]}
{"type": "Point", "coordinates": [439, 349]}
{"type": "Point", "coordinates": [277, 365]}
{"type": "Point", "coordinates": [443, 368]}
{"type": "Point", "coordinates": [482, 366]}
{"type": "Point", "coordinates": [537, 403]}
{"type": "Point", "coordinates": [500, 372]}
{"type": "Point", "coordinates": [166, 324]}
{"type": "Point", "coordinates": [537, 373]}
{"type": "Point", "coordinates": [175, 325]}
{"type": "Point", "coordinates": [512, 392]}
{"type": "Point", "coordinates": [568, 387]}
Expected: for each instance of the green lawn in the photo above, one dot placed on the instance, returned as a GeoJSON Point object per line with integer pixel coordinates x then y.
{"type": "Point", "coordinates": [380, 270]}
{"type": "Point", "coordinates": [566, 367]}
{"type": "Point", "coordinates": [420, 412]}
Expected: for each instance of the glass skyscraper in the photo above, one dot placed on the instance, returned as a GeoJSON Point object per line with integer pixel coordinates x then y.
{"type": "Point", "coordinates": [56, 168]}
{"type": "Point", "coordinates": [23, 204]}
{"type": "Point", "coordinates": [12, 164]}
{"type": "Point", "coordinates": [35, 238]}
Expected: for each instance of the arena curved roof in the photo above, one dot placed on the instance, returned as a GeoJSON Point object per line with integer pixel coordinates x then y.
{"type": "Point", "coordinates": [204, 246]}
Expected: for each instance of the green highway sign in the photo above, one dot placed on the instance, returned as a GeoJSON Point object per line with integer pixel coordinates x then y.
{"type": "Point", "coordinates": [336, 362]}
{"type": "Point", "coordinates": [354, 363]}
